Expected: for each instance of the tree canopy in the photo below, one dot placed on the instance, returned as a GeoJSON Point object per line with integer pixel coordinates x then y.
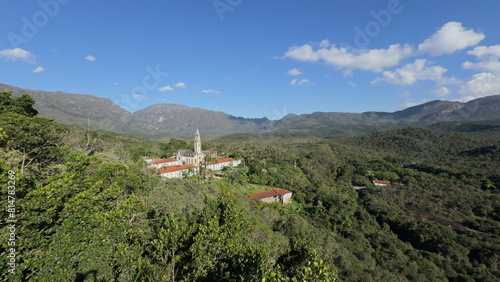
{"type": "Point", "coordinates": [105, 216]}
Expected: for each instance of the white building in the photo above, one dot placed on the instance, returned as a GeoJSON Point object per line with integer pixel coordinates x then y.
{"type": "Point", "coordinates": [276, 195]}
{"type": "Point", "coordinates": [381, 182]}
{"type": "Point", "coordinates": [223, 162]}
{"type": "Point", "coordinates": [189, 156]}
{"type": "Point", "coordinates": [196, 156]}
{"type": "Point", "coordinates": [179, 171]}
{"type": "Point", "coordinates": [159, 163]}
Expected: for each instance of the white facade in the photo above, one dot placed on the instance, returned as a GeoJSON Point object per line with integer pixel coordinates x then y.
{"type": "Point", "coordinates": [180, 173]}
{"type": "Point", "coordinates": [273, 196]}
{"type": "Point", "coordinates": [381, 183]}
{"type": "Point", "coordinates": [221, 165]}
{"type": "Point", "coordinates": [189, 156]}
{"type": "Point", "coordinates": [164, 163]}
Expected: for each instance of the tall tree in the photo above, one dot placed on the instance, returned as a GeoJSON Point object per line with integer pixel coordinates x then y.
{"type": "Point", "coordinates": [22, 105]}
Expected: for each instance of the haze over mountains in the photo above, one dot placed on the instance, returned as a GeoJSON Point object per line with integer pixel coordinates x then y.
{"type": "Point", "coordinates": [162, 120]}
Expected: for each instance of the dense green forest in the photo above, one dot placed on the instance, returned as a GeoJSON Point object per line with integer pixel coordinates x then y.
{"type": "Point", "coordinates": [88, 209]}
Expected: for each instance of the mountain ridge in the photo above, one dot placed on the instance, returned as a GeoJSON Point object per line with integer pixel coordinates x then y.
{"type": "Point", "coordinates": [165, 119]}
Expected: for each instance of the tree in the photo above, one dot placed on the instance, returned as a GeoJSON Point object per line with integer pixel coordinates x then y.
{"type": "Point", "coordinates": [208, 245]}
{"type": "Point", "coordinates": [22, 105]}
{"type": "Point", "coordinates": [36, 139]}
{"type": "Point", "coordinates": [172, 146]}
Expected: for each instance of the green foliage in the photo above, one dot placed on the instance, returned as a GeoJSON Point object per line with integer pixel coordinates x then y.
{"type": "Point", "coordinates": [172, 146]}
{"type": "Point", "coordinates": [91, 210]}
{"type": "Point", "coordinates": [22, 105]}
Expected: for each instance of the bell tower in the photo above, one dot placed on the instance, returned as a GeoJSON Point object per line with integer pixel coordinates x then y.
{"type": "Point", "coordinates": [197, 143]}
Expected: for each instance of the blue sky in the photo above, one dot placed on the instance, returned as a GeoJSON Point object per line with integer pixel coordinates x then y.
{"type": "Point", "coordinates": [255, 58]}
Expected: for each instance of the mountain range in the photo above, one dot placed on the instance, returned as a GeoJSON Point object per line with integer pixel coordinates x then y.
{"type": "Point", "coordinates": [164, 120]}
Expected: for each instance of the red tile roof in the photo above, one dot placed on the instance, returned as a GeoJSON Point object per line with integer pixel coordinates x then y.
{"type": "Point", "coordinates": [173, 168]}
{"type": "Point", "coordinates": [270, 193]}
{"type": "Point", "coordinates": [162, 161]}
{"type": "Point", "coordinates": [221, 160]}
{"type": "Point", "coordinates": [381, 182]}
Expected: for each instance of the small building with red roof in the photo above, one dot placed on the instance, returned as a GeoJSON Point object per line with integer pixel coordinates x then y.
{"type": "Point", "coordinates": [273, 196]}
{"type": "Point", "coordinates": [159, 163]}
{"type": "Point", "coordinates": [381, 182]}
{"type": "Point", "coordinates": [179, 171]}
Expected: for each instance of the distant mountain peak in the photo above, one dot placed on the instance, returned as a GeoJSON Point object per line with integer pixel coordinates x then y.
{"type": "Point", "coordinates": [163, 120]}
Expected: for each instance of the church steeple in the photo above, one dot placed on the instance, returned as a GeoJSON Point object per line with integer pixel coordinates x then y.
{"type": "Point", "coordinates": [197, 143]}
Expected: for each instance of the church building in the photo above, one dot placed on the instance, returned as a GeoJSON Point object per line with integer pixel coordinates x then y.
{"type": "Point", "coordinates": [197, 156]}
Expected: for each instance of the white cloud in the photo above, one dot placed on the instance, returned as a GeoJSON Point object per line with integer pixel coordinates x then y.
{"type": "Point", "coordinates": [115, 83]}
{"type": "Point", "coordinates": [166, 88]}
{"type": "Point", "coordinates": [481, 85]}
{"type": "Point", "coordinates": [208, 91]}
{"type": "Point", "coordinates": [485, 51]}
{"type": "Point", "coordinates": [17, 54]}
{"type": "Point", "coordinates": [180, 84]}
{"type": "Point", "coordinates": [302, 53]}
{"type": "Point", "coordinates": [344, 58]}
{"type": "Point", "coordinates": [90, 58]}
{"type": "Point", "coordinates": [294, 72]}
{"type": "Point", "coordinates": [450, 38]}
{"type": "Point", "coordinates": [297, 82]}
{"type": "Point", "coordinates": [489, 59]}
{"type": "Point", "coordinates": [442, 91]}
{"type": "Point", "coordinates": [351, 83]}
{"type": "Point", "coordinates": [38, 69]}
{"type": "Point", "coordinates": [418, 70]}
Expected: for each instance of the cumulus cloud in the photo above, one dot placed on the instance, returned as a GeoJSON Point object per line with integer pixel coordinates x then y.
{"type": "Point", "coordinates": [344, 58]}
{"type": "Point", "coordinates": [480, 85]}
{"type": "Point", "coordinates": [17, 54]}
{"type": "Point", "coordinates": [489, 59]}
{"type": "Point", "coordinates": [442, 91]}
{"type": "Point", "coordinates": [38, 69]}
{"type": "Point", "coordinates": [180, 84]}
{"type": "Point", "coordinates": [166, 88]}
{"type": "Point", "coordinates": [210, 91]}
{"type": "Point", "coordinates": [450, 38]}
{"type": "Point", "coordinates": [418, 70]}
{"type": "Point", "coordinates": [485, 51]}
{"type": "Point", "coordinates": [294, 72]}
{"type": "Point", "coordinates": [90, 58]}
{"type": "Point", "coordinates": [298, 82]}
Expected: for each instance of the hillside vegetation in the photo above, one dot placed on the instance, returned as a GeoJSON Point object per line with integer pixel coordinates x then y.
{"type": "Point", "coordinates": [171, 120]}
{"type": "Point", "coordinates": [88, 209]}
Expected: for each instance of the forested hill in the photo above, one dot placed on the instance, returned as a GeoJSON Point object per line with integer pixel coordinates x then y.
{"type": "Point", "coordinates": [160, 120]}
{"type": "Point", "coordinates": [88, 209]}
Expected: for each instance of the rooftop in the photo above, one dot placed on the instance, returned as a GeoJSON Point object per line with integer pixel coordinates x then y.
{"type": "Point", "coordinates": [381, 181]}
{"type": "Point", "coordinates": [270, 193]}
{"type": "Point", "coordinates": [221, 160]}
{"type": "Point", "coordinates": [162, 161]}
{"type": "Point", "coordinates": [174, 168]}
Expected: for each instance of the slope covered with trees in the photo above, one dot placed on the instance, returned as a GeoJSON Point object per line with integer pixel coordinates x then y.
{"type": "Point", "coordinates": [87, 208]}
